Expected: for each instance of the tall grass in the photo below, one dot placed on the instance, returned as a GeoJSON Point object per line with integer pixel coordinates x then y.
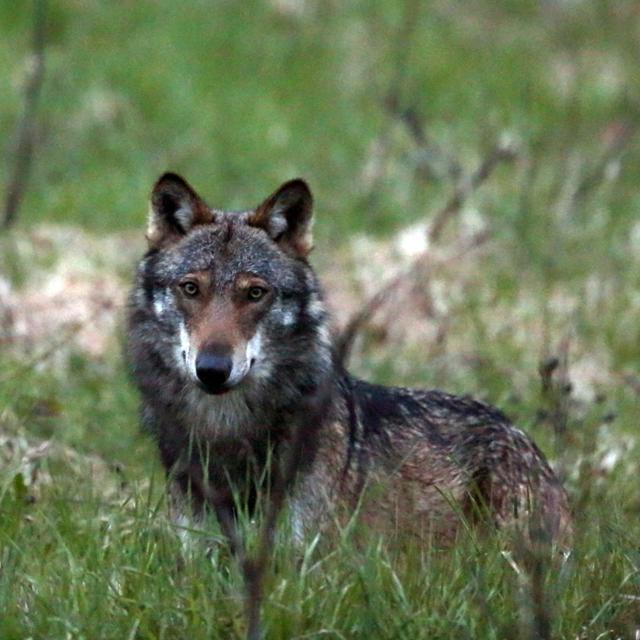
{"type": "Point", "coordinates": [239, 97]}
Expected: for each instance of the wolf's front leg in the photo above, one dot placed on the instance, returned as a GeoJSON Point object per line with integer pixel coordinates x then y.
{"type": "Point", "coordinates": [194, 523]}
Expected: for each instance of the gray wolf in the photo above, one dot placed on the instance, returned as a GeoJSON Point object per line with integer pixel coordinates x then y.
{"type": "Point", "coordinates": [229, 339]}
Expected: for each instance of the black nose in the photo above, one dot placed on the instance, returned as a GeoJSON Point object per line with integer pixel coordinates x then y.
{"type": "Point", "coordinates": [213, 371]}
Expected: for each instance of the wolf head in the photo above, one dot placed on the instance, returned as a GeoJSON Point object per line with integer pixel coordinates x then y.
{"type": "Point", "coordinates": [231, 293]}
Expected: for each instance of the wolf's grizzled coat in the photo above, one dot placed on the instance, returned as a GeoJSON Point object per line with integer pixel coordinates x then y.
{"type": "Point", "coordinates": [229, 341]}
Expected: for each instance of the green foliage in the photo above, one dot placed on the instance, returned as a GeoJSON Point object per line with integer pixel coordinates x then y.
{"type": "Point", "coordinates": [240, 96]}
{"type": "Point", "coordinates": [237, 96]}
{"type": "Point", "coordinates": [76, 564]}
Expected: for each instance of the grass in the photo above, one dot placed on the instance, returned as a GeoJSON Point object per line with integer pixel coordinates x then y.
{"type": "Point", "coordinates": [239, 97]}
{"type": "Point", "coordinates": [86, 562]}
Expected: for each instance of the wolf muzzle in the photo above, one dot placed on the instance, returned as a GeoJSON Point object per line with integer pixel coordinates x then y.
{"type": "Point", "coordinates": [213, 371]}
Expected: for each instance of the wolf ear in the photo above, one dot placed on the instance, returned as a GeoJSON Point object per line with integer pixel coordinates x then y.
{"type": "Point", "coordinates": [174, 209]}
{"type": "Point", "coordinates": [287, 216]}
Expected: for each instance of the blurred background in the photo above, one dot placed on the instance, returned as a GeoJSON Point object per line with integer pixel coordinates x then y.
{"type": "Point", "coordinates": [480, 159]}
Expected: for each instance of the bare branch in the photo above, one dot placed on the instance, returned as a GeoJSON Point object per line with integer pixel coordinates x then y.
{"type": "Point", "coordinates": [556, 391]}
{"type": "Point", "coordinates": [500, 153]}
{"type": "Point", "coordinates": [391, 98]}
{"type": "Point", "coordinates": [432, 161]}
{"type": "Point", "coordinates": [420, 266]}
{"type": "Point", "coordinates": [25, 137]}
{"type": "Point", "coordinates": [620, 136]}
{"type": "Point", "coordinates": [409, 22]}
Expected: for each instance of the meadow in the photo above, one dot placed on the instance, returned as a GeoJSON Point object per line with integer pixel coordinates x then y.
{"type": "Point", "coordinates": [528, 295]}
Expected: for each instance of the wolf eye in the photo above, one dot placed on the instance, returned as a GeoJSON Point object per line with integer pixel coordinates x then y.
{"type": "Point", "coordinates": [255, 293]}
{"type": "Point", "coordinates": [190, 289]}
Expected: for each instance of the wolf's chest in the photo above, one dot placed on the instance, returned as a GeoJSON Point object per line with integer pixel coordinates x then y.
{"type": "Point", "coordinates": [217, 416]}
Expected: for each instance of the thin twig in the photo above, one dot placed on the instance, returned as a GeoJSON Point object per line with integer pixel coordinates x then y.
{"type": "Point", "coordinates": [430, 153]}
{"type": "Point", "coordinates": [26, 130]}
{"type": "Point", "coordinates": [421, 265]}
{"type": "Point", "coordinates": [69, 334]}
{"type": "Point", "coordinates": [556, 390]}
{"type": "Point", "coordinates": [392, 98]}
{"type": "Point", "coordinates": [621, 136]}
{"type": "Point", "coordinates": [536, 610]}
{"type": "Point", "coordinates": [500, 153]}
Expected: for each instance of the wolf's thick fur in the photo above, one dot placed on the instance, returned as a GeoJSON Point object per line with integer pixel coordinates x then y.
{"type": "Point", "coordinates": [229, 341]}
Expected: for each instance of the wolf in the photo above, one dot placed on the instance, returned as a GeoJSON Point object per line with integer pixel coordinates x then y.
{"type": "Point", "coordinates": [231, 348]}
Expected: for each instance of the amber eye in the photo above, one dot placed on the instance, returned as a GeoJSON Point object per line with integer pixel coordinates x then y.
{"type": "Point", "coordinates": [190, 289]}
{"type": "Point", "coordinates": [255, 293]}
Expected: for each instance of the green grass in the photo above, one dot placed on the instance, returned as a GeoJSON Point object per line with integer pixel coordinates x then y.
{"type": "Point", "coordinates": [94, 556]}
{"type": "Point", "coordinates": [240, 97]}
